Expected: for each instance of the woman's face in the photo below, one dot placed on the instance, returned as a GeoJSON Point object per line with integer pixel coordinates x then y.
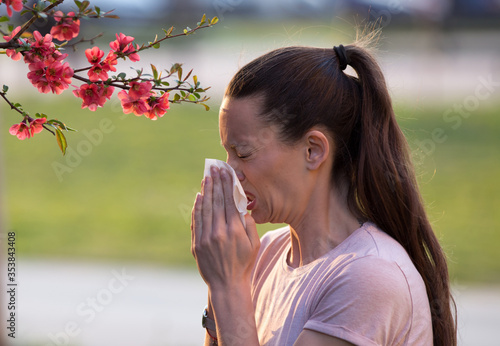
{"type": "Point", "coordinates": [269, 170]}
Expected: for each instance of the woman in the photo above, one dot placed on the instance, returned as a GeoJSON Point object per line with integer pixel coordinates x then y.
{"type": "Point", "coordinates": [321, 151]}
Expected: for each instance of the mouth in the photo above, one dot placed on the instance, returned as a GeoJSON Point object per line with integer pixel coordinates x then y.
{"type": "Point", "coordinates": [250, 201]}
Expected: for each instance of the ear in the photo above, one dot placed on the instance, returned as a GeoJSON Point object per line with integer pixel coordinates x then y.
{"type": "Point", "coordinates": [317, 148]}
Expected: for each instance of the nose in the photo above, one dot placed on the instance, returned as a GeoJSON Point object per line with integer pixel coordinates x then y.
{"type": "Point", "coordinates": [234, 165]}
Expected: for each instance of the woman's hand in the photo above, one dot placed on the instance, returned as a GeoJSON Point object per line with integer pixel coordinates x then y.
{"type": "Point", "coordinates": [224, 250]}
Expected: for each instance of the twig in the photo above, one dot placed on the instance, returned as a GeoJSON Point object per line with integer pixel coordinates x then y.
{"type": "Point", "coordinates": [91, 40]}
{"type": "Point", "coordinates": [119, 84]}
{"type": "Point", "coordinates": [10, 45]}
{"type": "Point", "coordinates": [46, 128]}
{"type": "Point", "coordinates": [11, 105]}
{"type": "Point", "coordinates": [172, 36]}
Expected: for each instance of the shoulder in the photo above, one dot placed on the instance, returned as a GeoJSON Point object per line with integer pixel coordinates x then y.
{"type": "Point", "coordinates": [271, 238]}
{"type": "Point", "coordinates": [367, 289]}
{"type": "Point", "coordinates": [370, 280]}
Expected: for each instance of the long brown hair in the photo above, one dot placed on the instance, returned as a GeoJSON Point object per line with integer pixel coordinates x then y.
{"type": "Point", "coordinates": [303, 87]}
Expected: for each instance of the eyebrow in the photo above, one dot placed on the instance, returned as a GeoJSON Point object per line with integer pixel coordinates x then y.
{"type": "Point", "coordinates": [234, 146]}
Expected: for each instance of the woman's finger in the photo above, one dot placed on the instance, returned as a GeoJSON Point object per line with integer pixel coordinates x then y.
{"type": "Point", "coordinates": [232, 214]}
{"type": "Point", "coordinates": [251, 230]}
{"type": "Point", "coordinates": [219, 212]}
{"type": "Point", "coordinates": [197, 223]}
{"type": "Point", "coordinates": [206, 205]}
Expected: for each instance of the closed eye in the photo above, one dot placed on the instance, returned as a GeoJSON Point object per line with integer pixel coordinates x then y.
{"type": "Point", "coordinates": [243, 156]}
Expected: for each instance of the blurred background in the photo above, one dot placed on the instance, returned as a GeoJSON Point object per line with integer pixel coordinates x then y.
{"type": "Point", "coordinates": [102, 234]}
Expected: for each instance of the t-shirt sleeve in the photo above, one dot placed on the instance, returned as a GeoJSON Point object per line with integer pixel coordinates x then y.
{"type": "Point", "coordinates": [366, 302]}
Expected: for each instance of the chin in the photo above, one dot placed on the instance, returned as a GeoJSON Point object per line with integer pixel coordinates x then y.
{"type": "Point", "coordinates": [258, 218]}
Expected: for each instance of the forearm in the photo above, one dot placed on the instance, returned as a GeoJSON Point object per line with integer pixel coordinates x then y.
{"type": "Point", "coordinates": [234, 315]}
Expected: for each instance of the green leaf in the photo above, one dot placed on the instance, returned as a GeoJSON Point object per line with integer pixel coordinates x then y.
{"type": "Point", "coordinates": [183, 93]}
{"type": "Point", "coordinates": [78, 4]}
{"type": "Point", "coordinates": [85, 4]}
{"type": "Point", "coordinates": [61, 141]}
{"type": "Point", "coordinates": [175, 67]}
{"type": "Point", "coordinates": [98, 10]}
{"type": "Point", "coordinates": [176, 97]}
{"type": "Point", "coordinates": [197, 95]}
{"type": "Point", "coordinates": [192, 98]}
{"type": "Point", "coordinates": [203, 20]}
{"type": "Point", "coordinates": [214, 20]}
{"type": "Point", "coordinates": [155, 71]}
{"type": "Point", "coordinates": [169, 31]}
{"type": "Point", "coordinates": [4, 19]}
{"type": "Point", "coordinates": [121, 75]}
{"type": "Point", "coordinates": [156, 45]}
{"type": "Point", "coordinates": [179, 73]}
{"type": "Point", "coordinates": [5, 88]}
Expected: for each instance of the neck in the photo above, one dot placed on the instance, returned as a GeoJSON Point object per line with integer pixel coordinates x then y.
{"type": "Point", "coordinates": [326, 223]}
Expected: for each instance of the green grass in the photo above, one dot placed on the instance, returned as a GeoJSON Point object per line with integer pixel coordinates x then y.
{"type": "Point", "coordinates": [130, 198]}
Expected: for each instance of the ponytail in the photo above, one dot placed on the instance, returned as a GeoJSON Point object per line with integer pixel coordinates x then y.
{"type": "Point", "coordinates": [385, 190]}
{"type": "Point", "coordinates": [303, 87]}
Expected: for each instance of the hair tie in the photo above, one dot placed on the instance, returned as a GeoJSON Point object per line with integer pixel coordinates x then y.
{"type": "Point", "coordinates": [342, 56]}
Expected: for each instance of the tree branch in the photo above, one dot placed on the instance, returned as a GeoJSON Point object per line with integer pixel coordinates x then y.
{"type": "Point", "coordinates": [9, 45]}
{"type": "Point", "coordinates": [172, 36]}
{"type": "Point", "coordinates": [91, 40]}
{"type": "Point", "coordinates": [11, 105]}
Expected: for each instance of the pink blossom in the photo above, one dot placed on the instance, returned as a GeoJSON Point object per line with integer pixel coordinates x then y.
{"type": "Point", "coordinates": [37, 72]}
{"type": "Point", "coordinates": [124, 47]}
{"type": "Point", "coordinates": [109, 62]}
{"type": "Point", "coordinates": [17, 5]}
{"type": "Point", "coordinates": [133, 56]}
{"type": "Point", "coordinates": [121, 43]}
{"type": "Point", "coordinates": [93, 95]}
{"type": "Point", "coordinates": [20, 130]}
{"type": "Point", "coordinates": [140, 90]}
{"type": "Point", "coordinates": [50, 76]}
{"type": "Point", "coordinates": [59, 76]}
{"type": "Point", "coordinates": [42, 48]}
{"type": "Point", "coordinates": [158, 106]}
{"type": "Point", "coordinates": [25, 130]}
{"type": "Point", "coordinates": [131, 104]}
{"type": "Point", "coordinates": [36, 125]}
{"type": "Point", "coordinates": [94, 55]}
{"type": "Point", "coordinates": [97, 73]}
{"type": "Point", "coordinates": [68, 27]}
{"type": "Point", "coordinates": [11, 53]}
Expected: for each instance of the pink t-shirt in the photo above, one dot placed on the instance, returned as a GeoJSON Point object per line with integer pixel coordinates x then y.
{"type": "Point", "coordinates": [365, 291]}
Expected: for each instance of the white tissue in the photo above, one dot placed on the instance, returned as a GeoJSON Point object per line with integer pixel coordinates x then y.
{"type": "Point", "coordinates": [240, 199]}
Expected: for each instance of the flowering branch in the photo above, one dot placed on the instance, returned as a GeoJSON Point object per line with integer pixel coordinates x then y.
{"type": "Point", "coordinates": [36, 15]}
{"type": "Point", "coordinates": [141, 94]}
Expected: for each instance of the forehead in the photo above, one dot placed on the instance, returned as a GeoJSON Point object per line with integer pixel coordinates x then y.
{"type": "Point", "coordinates": [238, 119]}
